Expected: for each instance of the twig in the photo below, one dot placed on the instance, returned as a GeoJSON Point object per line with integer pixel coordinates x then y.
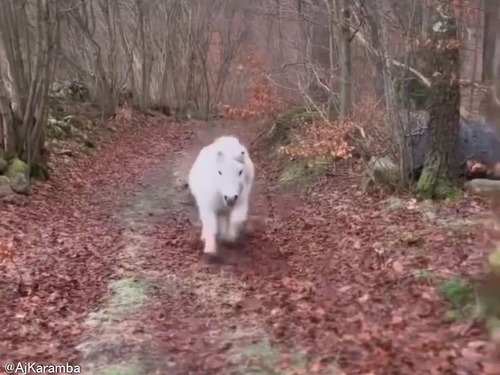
{"type": "Point", "coordinates": [261, 133]}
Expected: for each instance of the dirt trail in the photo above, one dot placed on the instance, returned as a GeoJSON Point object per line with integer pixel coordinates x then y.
{"type": "Point", "coordinates": [330, 286]}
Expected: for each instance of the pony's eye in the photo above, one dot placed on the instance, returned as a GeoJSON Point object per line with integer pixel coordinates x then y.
{"type": "Point", "coordinates": [240, 172]}
{"type": "Point", "coordinates": [242, 152]}
{"type": "Point", "coordinates": [220, 173]}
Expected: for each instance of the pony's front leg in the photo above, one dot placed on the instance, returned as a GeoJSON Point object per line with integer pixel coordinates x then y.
{"type": "Point", "coordinates": [209, 231]}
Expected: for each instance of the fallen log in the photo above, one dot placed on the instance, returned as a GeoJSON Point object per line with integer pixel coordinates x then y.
{"type": "Point", "coordinates": [484, 187]}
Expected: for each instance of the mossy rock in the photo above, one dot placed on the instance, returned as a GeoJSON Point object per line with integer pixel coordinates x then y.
{"type": "Point", "coordinates": [380, 171]}
{"type": "Point", "coordinates": [52, 121]}
{"type": "Point", "coordinates": [17, 166]}
{"type": "Point", "coordinates": [56, 132]}
{"type": "Point", "coordinates": [55, 128]}
{"type": "Point", "coordinates": [20, 183]}
{"type": "Point", "coordinates": [5, 188]}
{"type": "Point", "coordinates": [74, 121]}
{"type": "Point", "coordinates": [66, 127]}
{"type": "Point", "coordinates": [56, 109]}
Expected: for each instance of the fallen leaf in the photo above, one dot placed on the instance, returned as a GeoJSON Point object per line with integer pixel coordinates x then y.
{"type": "Point", "coordinates": [364, 298]}
{"type": "Point", "coordinates": [397, 266]}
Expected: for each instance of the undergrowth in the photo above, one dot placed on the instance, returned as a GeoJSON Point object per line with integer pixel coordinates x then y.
{"type": "Point", "coordinates": [306, 145]}
{"type": "Point", "coordinates": [472, 301]}
{"type": "Point", "coordinates": [299, 173]}
{"type": "Point", "coordinates": [286, 122]}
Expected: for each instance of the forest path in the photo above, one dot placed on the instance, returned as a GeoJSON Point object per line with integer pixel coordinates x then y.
{"type": "Point", "coordinates": [336, 283]}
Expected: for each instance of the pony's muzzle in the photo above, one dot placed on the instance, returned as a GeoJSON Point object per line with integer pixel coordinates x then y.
{"type": "Point", "coordinates": [230, 201]}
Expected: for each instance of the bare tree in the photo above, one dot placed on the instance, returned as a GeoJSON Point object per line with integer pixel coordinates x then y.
{"type": "Point", "coordinates": [91, 48]}
{"type": "Point", "coordinates": [442, 54]}
{"type": "Point", "coordinates": [343, 12]}
{"type": "Point", "coordinates": [30, 37]}
{"type": "Point", "coordinates": [491, 60]}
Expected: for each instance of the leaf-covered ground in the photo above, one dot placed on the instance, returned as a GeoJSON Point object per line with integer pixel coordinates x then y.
{"type": "Point", "coordinates": [106, 270]}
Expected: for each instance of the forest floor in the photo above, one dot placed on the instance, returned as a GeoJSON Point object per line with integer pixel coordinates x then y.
{"type": "Point", "coordinates": [106, 270]}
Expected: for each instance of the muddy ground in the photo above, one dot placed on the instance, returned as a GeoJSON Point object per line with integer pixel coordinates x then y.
{"type": "Point", "coordinates": [106, 270]}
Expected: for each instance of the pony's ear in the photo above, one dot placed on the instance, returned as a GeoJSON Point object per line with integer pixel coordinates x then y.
{"type": "Point", "coordinates": [220, 156]}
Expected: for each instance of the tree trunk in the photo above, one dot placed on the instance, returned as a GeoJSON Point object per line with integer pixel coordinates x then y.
{"type": "Point", "coordinates": [490, 39]}
{"type": "Point", "coordinates": [441, 163]}
{"type": "Point", "coordinates": [375, 38]}
{"type": "Point", "coordinates": [345, 60]}
{"type": "Point", "coordinates": [23, 110]}
{"type": "Point", "coordinates": [490, 69]}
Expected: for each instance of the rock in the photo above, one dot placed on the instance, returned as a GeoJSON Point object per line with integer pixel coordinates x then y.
{"type": "Point", "coordinates": [17, 166]}
{"type": "Point", "coordinates": [5, 189]}
{"type": "Point", "coordinates": [67, 128]}
{"type": "Point", "coordinates": [89, 144]}
{"type": "Point", "coordinates": [65, 152]}
{"type": "Point", "coordinates": [429, 209]}
{"type": "Point", "coordinates": [19, 183]}
{"type": "Point", "coordinates": [392, 204]}
{"type": "Point", "coordinates": [57, 133]}
{"type": "Point", "coordinates": [478, 140]}
{"type": "Point", "coordinates": [73, 121]}
{"type": "Point", "coordinates": [3, 165]}
{"type": "Point", "coordinates": [483, 187]}
{"type": "Point", "coordinates": [381, 171]}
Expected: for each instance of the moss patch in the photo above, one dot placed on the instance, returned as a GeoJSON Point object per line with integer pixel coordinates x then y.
{"type": "Point", "coordinates": [299, 173]}
{"type": "Point", "coordinates": [456, 290]}
{"type": "Point", "coordinates": [461, 225]}
{"type": "Point", "coordinates": [262, 351]}
{"type": "Point", "coordinates": [127, 294]}
{"type": "Point", "coordinates": [463, 299]}
{"type": "Point", "coordinates": [261, 358]}
{"type": "Point", "coordinates": [120, 370]}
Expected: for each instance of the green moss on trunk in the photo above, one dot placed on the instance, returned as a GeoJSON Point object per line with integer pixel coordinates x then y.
{"type": "Point", "coordinates": [431, 186]}
{"type": "Point", "coordinates": [435, 184]}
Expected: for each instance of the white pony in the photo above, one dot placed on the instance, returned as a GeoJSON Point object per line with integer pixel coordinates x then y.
{"type": "Point", "coordinates": [221, 180]}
